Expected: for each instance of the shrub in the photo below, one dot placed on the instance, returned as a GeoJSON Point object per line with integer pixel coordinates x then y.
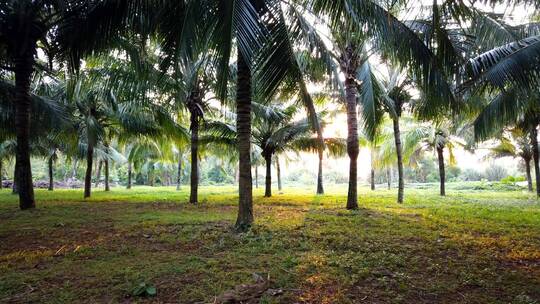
{"type": "Point", "coordinates": [495, 173]}
{"type": "Point", "coordinates": [470, 175]}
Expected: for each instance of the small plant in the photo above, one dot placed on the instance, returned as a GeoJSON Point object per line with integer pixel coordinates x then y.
{"type": "Point", "coordinates": [144, 290]}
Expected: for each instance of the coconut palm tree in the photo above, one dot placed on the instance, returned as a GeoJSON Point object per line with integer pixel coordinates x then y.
{"type": "Point", "coordinates": [276, 132]}
{"type": "Point", "coordinates": [515, 143]}
{"type": "Point", "coordinates": [67, 30]}
{"type": "Point", "coordinates": [436, 138]}
{"type": "Point", "coordinates": [511, 109]}
{"type": "Point", "coordinates": [276, 62]}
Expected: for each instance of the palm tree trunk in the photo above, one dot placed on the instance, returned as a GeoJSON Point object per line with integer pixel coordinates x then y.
{"type": "Point", "coordinates": [98, 173]}
{"type": "Point", "coordinates": [150, 177]}
{"type": "Point", "coordinates": [51, 178]}
{"type": "Point", "coordinates": [14, 188]}
{"type": "Point", "coordinates": [320, 188]}
{"type": "Point", "coordinates": [389, 177]}
{"type": "Point", "coordinates": [194, 186]}
{"type": "Point", "coordinates": [399, 153]}
{"type": "Point", "coordinates": [243, 126]}
{"type": "Point", "coordinates": [88, 176]}
{"type": "Point", "coordinates": [372, 173]}
{"type": "Point", "coordinates": [528, 173]}
{"type": "Point", "coordinates": [372, 179]}
{"type": "Point", "coordinates": [107, 188]}
{"type": "Point", "coordinates": [268, 180]}
{"type": "Point", "coordinates": [74, 169]}
{"type": "Point", "coordinates": [129, 175]}
{"type": "Point", "coordinates": [179, 173]}
{"type": "Point", "coordinates": [442, 174]}
{"type": "Point", "coordinates": [536, 156]}
{"type": "Point", "coordinates": [24, 66]}
{"type": "Point", "coordinates": [278, 171]}
{"type": "Point", "coordinates": [352, 143]}
{"type": "Point", "coordinates": [1, 174]}
{"type": "Point", "coordinates": [256, 176]}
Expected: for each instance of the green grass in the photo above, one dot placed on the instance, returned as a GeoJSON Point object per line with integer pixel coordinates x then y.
{"type": "Point", "coordinates": [469, 247]}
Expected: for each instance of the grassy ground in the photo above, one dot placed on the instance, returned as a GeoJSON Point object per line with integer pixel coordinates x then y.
{"type": "Point", "coordinates": [470, 247]}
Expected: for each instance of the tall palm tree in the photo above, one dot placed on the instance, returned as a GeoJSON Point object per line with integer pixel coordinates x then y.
{"type": "Point", "coordinates": [68, 29]}
{"type": "Point", "coordinates": [275, 133]}
{"type": "Point", "coordinates": [511, 108]}
{"type": "Point", "coordinates": [515, 144]}
{"type": "Point", "coordinates": [427, 138]}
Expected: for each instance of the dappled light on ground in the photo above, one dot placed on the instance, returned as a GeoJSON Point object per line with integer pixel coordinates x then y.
{"type": "Point", "coordinates": [474, 248]}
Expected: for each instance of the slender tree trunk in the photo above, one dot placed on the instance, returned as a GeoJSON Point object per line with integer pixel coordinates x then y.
{"type": "Point", "coordinates": [372, 173]}
{"type": "Point", "coordinates": [98, 173]}
{"type": "Point", "coordinates": [320, 188]}
{"type": "Point", "coordinates": [1, 174]}
{"type": "Point", "coordinates": [150, 177]}
{"type": "Point", "coordinates": [24, 66]}
{"type": "Point", "coordinates": [236, 173]}
{"type": "Point", "coordinates": [399, 153]}
{"type": "Point", "coordinates": [372, 178]}
{"type": "Point", "coordinates": [194, 187]}
{"type": "Point", "coordinates": [320, 138]}
{"type": "Point", "coordinates": [74, 169]}
{"type": "Point", "coordinates": [107, 188]}
{"type": "Point", "coordinates": [179, 173]}
{"type": "Point", "coordinates": [256, 176]}
{"type": "Point", "coordinates": [442, 173]}
{"type": "Point", "coordinates": [88, 176]}
{"type": "Point", "coordinates": [349, 64]}
{"type": "Point", "coordinates": [51, 178]}
{"type": "Point", "coordinates": [352, 144]}
{"type": "Point", "coordinates": [243, 126]}
{"type": "Point", "coordinates": [278, 171]}
{"type": "Point", "coordinates": [527, 162]}
{"type": "Point", "coordinates": [536, 158]}
{"type": "Point", "coordinates": [129, 175]}
{"type": "Point", "coordinates": [14, 188]}
{"type": "Point", "coordinates": [268, 179]}
{"type": "Point", "coordinates": [389, 177]}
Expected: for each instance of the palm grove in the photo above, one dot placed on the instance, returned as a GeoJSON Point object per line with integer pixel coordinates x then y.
{"type": "Point", "coordinates": [148, 83]}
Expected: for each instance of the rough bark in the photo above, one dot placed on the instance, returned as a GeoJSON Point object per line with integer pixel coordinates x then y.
{"type": "Point", "coordinates": [88, 176]}
{"type": "Point", "coordinates": [243, 125]}
{"type": "Point", "coordinates": [399, 154]}
{"type": "Point", "coordinates": [130, 172]}
{"type": "Point", "coordinates": [536, 158]}
{"type": "Point", "coordinates": [24, 66]}
{"type": "Point", "coordinates": [179, 173]}
{"type": "Point", "coordinates": [98, 173]}
{"type": "Point", "coordinates": [106, 162]}
{"type": "Point", "coordinates": [268, 178]}
{"type": "Point", "coordinates": [51, 171]}
{"type": "Point", "coordinates": [320, 188]}
{"type": "Point", "coordinates": [442, 173]}
{"type": "Point", "coordinates": [527, 162]}
{"type": "Point", "coordinates": [352, 146]}
{"type": "Point", "coordinates": [278, 174]}
{"type": "Point", "coordinates": [349, 65]}
{"type": "Point", "coordinates": [194, 178]}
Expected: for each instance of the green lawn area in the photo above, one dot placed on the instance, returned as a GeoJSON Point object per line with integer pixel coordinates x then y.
{"type": "Point", "coordinates": [469, 247]}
